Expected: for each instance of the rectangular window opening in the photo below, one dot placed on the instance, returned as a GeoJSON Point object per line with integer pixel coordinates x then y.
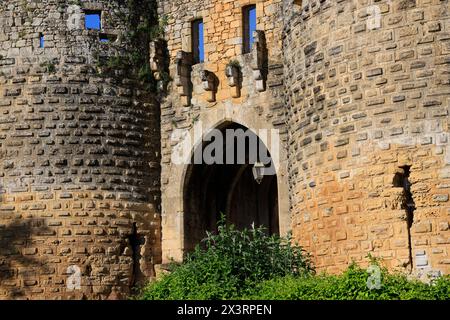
{"type": "Point", "coordinates": [249, 24]}
{"type": "Point", "coordinates": [41, 40]}
{"type": "Point", "coordinates": [198, 44]}
{"type": "Point", "coordinates": [93, 20]}
{"type": "Point", "coordinates": [103, 37]}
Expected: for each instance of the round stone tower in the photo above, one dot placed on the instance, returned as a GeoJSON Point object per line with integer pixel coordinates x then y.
{"type": "Point", "coordinates": [367, 88]}
{"type": "Point", "coordinates": [79, 149]}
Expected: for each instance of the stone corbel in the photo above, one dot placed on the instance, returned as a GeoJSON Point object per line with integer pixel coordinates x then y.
{"type": "Point", "coordinates": [259, 60]}
{"type": "Point", "coordinates": [233, 73]}
{"type": "Point", "coordinates": [158, 63]}
{"type": "Point", "coordinates": [183, 82]}
{"type": "Point", "coordinates": [209, 84]}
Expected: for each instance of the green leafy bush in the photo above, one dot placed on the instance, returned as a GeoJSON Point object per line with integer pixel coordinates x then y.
{"type": "Point", "coordinates": [229, 263]}
{"type": "Point", "coordinates": [351, 285]}
{"type": "Point", "coordinates": [249, 264]}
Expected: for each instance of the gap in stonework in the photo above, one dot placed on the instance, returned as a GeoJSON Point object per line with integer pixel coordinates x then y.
{"type": "Point", "coordinates": [401, 180]}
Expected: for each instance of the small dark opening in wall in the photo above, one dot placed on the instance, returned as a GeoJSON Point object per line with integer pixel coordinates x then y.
{"type": "Point", "coordinates": [104, 37]}
{"type": "Point", "coordinates": [92, 20]}
{"type": "Point", "coordinates": [298, 2]}
{"type": "Point", "coordinates": [41, 40]}
{"type": "Point", "coordinates": [398, 180]}
{"type": "Point", "coordinates": [401, 180]}
{"type": "Point", "coordinates": [135, 241]}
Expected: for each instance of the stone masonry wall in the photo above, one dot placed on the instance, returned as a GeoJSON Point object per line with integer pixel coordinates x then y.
{"type": "Point", "coordinates": [365, 100]}
{"type": "Point", "coordinates": [253, 108]}
{"type": "Point", "coordinates": [79, 157]}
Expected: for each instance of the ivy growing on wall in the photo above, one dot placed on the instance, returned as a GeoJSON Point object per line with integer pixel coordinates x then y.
{"type": "Point", "coordinates": [143, 26]}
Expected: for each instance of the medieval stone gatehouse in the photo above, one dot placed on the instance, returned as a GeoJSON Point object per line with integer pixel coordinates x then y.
{"type": "Point", "coordinates": [95, 97]}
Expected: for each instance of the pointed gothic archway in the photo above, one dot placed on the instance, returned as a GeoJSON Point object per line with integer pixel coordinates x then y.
{"type": "Point", "coordinates": [231, 189]}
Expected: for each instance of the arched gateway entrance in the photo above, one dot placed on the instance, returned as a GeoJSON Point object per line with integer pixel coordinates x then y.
{"type": "Point", "coordinates": [229, 186]}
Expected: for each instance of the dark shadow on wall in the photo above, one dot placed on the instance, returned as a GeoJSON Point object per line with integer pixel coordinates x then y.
{"type": "Point", "coordinates": [20, 269]}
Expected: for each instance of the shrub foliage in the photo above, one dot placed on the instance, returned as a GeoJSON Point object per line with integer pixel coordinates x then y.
{"type": "Point", "coordinates": [229, 263]}
{"type": "Point", "coordinates": [249, 264]}
{"type": "Point", "coordinates": [351, 285]}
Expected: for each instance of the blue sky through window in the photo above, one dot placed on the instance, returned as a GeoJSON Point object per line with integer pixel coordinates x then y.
{"type": "Point", "coordinates": [251, 24]}
{"type": "Point", "coordinates": [41, 41]}
{"type": "Point", "coordinates": [93, 21]}
{"type": "Point", "coordinates": [201, 43]}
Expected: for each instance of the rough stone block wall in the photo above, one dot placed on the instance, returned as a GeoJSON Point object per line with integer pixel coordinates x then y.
{"type": "Point", "coordinates": [223, 37]}
{"type": "Point", "coordinates": [79, 157]}
{"type": "Point", "coordinates": [367, 89]}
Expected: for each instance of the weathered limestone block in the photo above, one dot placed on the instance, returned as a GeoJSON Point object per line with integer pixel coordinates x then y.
{"type": "Point", "coordinates": [158, 62]}
{"type": "Point", "coordinates": [183, 64]}
{"type": "Point", "coordinates": [259, 60]}
{"type": "Point", "coordinates": [233, 73]}
{"type": "Point", "coordinates": [209, 84]}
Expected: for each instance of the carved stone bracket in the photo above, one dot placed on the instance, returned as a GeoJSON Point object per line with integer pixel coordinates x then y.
{"type": "Point", "coordinates": [183, 62]}
{"type": "Point", "coordinates": [233, 73]}
{"type": "Point", "coordinates": [209, 83]}
{"type": "Point", "coordinates": [259, 60]}
{"type": "Point", "coordinates": [158, 63]}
